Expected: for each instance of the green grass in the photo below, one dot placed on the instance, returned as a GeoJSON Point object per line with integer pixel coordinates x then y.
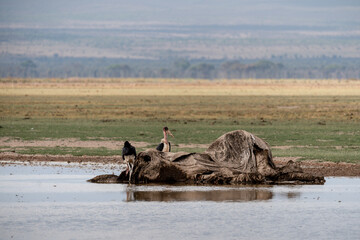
{"type": "Point", "coordinates": [350, 155]}
{"type": "Point", "coordinates": [334, 141]}
{"type": "Point", "coordinates": [277, 133]}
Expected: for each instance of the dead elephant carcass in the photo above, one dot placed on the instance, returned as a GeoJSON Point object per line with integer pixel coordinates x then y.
{"type": "Point", "coordinates": [237, 157]}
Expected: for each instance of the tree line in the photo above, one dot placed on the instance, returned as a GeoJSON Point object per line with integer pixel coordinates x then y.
{"type": "Point", "coordinates": [56, 67]}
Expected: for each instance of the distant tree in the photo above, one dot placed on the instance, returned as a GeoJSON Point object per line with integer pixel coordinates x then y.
{"type": "Point", "coordinates": [29, 69]}
{"type": "Point", "coordinates": [119, 70]}
{"type": "Point", "coordinates": [180, 67]}
{"type": "Point", "coordinates": [302, 67]}
{"type": "Point", "coordinates": [332, 71]}
{"type": "Point", "coordinates": [201, 70]}
{"type": "Point", "coordinates": [163, 73]}
{"type": "Point", "coordinates": [28, 64]}
{"type": "Point", "coordinates": [232, 69]}
{"type": "Point", "coordinates": [263, 69]}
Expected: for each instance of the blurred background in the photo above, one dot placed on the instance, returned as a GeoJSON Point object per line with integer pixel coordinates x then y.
{"type": "Point", "coordinates": [209, 39]}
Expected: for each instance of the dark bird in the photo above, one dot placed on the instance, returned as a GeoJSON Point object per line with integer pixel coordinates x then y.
{"type": "Point", "coordinates": [165, 145]}
{"type": "Point", "coordinates": [129, 156]}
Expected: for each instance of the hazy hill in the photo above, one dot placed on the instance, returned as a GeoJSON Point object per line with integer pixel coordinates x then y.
{"type": "Point", "coordinates": [196, 30]}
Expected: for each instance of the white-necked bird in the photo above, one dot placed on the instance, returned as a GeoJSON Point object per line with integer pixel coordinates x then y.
{"type": "Point", "coordinates": [165, 145]}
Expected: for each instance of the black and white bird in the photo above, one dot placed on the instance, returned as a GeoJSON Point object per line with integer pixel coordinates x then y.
{"type": "Point", "coordinates": [165, 145]}
{"type": "Point", "coordinates": [129, 156]}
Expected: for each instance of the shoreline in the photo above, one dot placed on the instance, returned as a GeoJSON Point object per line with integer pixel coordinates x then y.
{"type": "Point", "coordinates": [326, 169]}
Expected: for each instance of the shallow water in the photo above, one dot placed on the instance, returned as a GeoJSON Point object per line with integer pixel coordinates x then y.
{"type": "Point", "coordinates": [56, 202]}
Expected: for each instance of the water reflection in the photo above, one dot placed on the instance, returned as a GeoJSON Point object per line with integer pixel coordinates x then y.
{"type": "Point", "coordinates": [214, 195]}
{"type": "Point", "coordinates": [293, 195]}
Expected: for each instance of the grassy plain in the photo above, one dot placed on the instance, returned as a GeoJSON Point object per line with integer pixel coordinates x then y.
{"type": "Point", "coordinates": [308, 119]}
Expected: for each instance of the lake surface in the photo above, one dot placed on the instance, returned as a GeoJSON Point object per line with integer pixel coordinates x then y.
{"type": "Point", "coordinates": [56, 202]}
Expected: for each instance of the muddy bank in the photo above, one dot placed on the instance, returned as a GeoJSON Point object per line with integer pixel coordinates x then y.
{"type": "Point", "coordinates": [59, 158]}
{"type": "Point", "coordinates": [68, 142]}
{"type": "Point", "coordinates": [327, 169]}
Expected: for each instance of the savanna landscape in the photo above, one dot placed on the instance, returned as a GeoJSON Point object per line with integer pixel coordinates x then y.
{"type": "Point", "coordinates": [312, 121]}
{"type": "Point", "coordinates": [260, 101]}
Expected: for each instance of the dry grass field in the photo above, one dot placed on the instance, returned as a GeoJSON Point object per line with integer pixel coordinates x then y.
{"type": "Point", "coordinates": [180, 99]}
{"type": "Point", "coordinates": [178, 87]}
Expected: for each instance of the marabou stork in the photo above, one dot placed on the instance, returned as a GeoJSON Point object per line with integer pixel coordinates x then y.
{"type": "Point", "coordinates": [165, 145]}
{"type": "Point", "coordinates": [129, 156]}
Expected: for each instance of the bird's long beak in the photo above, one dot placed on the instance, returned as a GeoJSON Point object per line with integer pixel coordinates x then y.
{"type": "Point", "coordinates": [170, 133]}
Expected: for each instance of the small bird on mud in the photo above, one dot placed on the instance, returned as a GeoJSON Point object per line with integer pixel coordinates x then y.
{"type": "Point", "coordinates": [165, 145]}
{"type": "Point", "coordinates": [129, 156]}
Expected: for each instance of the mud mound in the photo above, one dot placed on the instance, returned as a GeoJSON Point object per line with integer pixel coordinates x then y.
{"type": "Point", "coordinates": [235, 158]}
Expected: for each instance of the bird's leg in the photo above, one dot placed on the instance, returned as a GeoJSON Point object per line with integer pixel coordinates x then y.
{"type": "Point", "coordinates": [127, 168]}
{"type": "Point", "coordinates": [131, 170]}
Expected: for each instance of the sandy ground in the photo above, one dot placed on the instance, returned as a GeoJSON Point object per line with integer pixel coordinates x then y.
{"type": "Point", "coordinates": [326, 169]}
{"type": "Point", "coordinates": [68, 142]}
{"type": "Point", "coordinates": [73, 142]}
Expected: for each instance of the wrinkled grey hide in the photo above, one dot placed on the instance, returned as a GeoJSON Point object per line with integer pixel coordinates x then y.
{"type": "Point", "coordinates": [236, 157]}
